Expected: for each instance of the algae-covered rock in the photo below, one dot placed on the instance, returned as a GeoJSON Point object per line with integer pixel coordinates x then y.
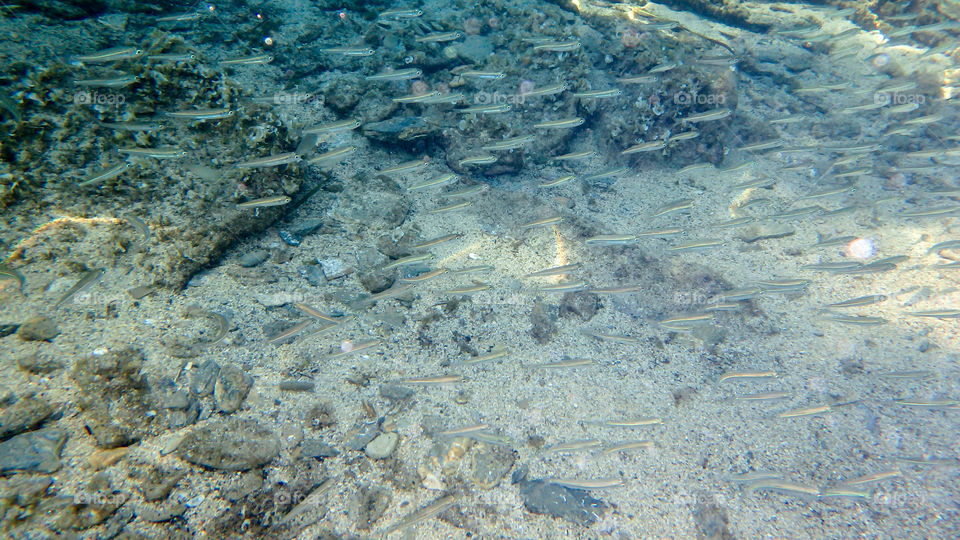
{"type": "Point", "coordinates": [230, 445]}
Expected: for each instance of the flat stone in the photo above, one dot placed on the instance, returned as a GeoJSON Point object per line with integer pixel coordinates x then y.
{"type": "Point", "coordinates": [335, 268]}
{"type": "Point", "coordinates": [574, 505]}
{"type": "Point", "coordinates": [34, 451]}
{"type": "Point", "coordinates": [317, 449]}
{"type": "Point", "coordinates": [38, 329]}
{"type": "Point", "coordinates": [25, 414]}
{"type": "Point", "coordinates": [230, 445]}
{"type": "Point", "coordinates": [254, 258]}
{"type": "Point", "coordinates": [382, 446]}
{"type": "Point", "coordinates": [231, 388]}
{"type": "Point", "coordinates": [490, 465]}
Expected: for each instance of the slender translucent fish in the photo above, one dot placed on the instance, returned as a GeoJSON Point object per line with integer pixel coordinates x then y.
{"type": "Point", "coordinates": [715, 114]}
{"type": "Point", "coordinates": [754, 476]}
{"type": "Point", "coordinates": [558, 46]}
{"type": "Point", "coordinates": [189, 16]}
{"type": "Point", "coordinates": [470, 74]}
{"type": "Point", "coordinates": [570, 286]}
{"type": "Point", "coordinates": [509, 144]}
{"type": "Point", "coordinates": [357, 347]}
{"type": "Point", "coordinates": [395, 75]}
{"type": "Point", "coordinates": [576, 155]}
{"type": "Point", "coordinates": [844, 492]}
{"type": "Point", "coordinates": [264, 202]}
{"type": "Point", "coordinates": [114, 54]}
{"type": "Point", "coordinates": [575, 446]}
{"type": "Point", "coordinates": [481, 159]}
{"type": "Point", "coordinates": [495, 108]}
{"type": "Point", "coordinates": [439, 37]}
{"type": "Point", "coordinates": [696, 245]}
{"type": "Point", "coordinates": [332, 127]}
{"type": "Point", "coordinates": [449, 207]}
{"type": "Point", "coordinates": [764, 396]}
{"type": "Point", "coordinates": [424, 276]}
{"type": "Point", "coordinates": [172, 57]}
{"type": "Point", "coordinates": [559, 181]}
{"type": "Point", "coordinates": [399, 14]}
{"type": "Point", "coordinates": [440, 379]}
{"type": "Point", "coordinates": [928, 403]}
{"type": "Point", "coordinates": [638, 79]}
{"type": "Point", "coordinates": [598, 94]}
{"type": "Point", "coordinates": [292, 331]}
{"type": "Point", "coordinates": [496, 354]}
{"type": "Point", "coordinates": [929, 212]}
{"type": "Point", "coordinates": [600, 483]}
{"type": "Point", "coordinates": [670, 231]}
{"type": "Point", "coordinates": [649, 146]}
{"type": "Point", "coordinates": [310, 502]}
{"type": "Point", "coordinates": [332, 155]}
{"type": "Point", "coordinates": [611, 240]}
{"type": "Point", "coordinates": [478, 286]}
{"type": "Point", "coordinates": [405, 261]}
{"type": "Point", "coordinates": [909, 374]}
{"type": "Point", "coordinates": [466, 430]}
{"type": "Point", "coordinates": [627, 445]}
{"type": "Point", "coordinates": [791, 119]}
{"type": "Point", "coordinates": [112, 82]}
{"type": "Point", "coordinates": [637, 422]}
{"type": "Point", "coordinates": [617, 338]}
{"type": "Point", "coordinates": [480, 268]}
{"type": "Point", "coordinates": [859, 320]}
{"type": "Point", "coordinates": [617, 289]}
{"type": "Point", "coordinates": [406, 166]}
{"type": "Point", "coordinates": [349, 51]}
{"type": "Point", "coordinates": [683, 136]}
{"type": "Point", "coordinates": [860, 301]}
{"type": "Point", "coordinates": [937, 314]}
{"type": "Point", "coordinates": [417, 98]}
{"type": "Point", "coordinates": [105, 174]}
{"type": "Point", "coordinates": [684, 322]}
{"type": "Point", "coordinates": [805, 411]}
{"type": "Point", "coordinates": [783, 486]}
{"type": "Point", "coordinates": [434, 182]}
{"type": "Point", "coordinates": [163, 152]}
{"type": "Point", "coordinates": [552, 220]}
{"type": "Point", "coordinates": [875, 477]}
{"type": "Point", "coordinates": [563, 123]}
{"type": "Point", "coordinates": [737, 222]}
{"type": "Point", "coordinates": [88, 279]}
{"type": "Point", "coordinates": [555, 270]}
{"type": "Point", "coordinates": [436, 241]}
{"type": "Point", "coordinates": [422, 515]}
{"type": "Point", "coordinates": [129, 126]}
{"type": "Point", "coordinates": [316, 313]}
{"type": "Point", "coordinates": [675, 206]}
{"type": "Point", "coordinates": [6, 272]}
{"type": "Point", "coordinates": [248, 60]}
{"type": "Point", "coordinates": [574, 362]}
{"type": "Point", "coordinates": [392, 292]}
{"type": "Point", "coordinates": [546, 91]}
{"type": "Point", "coordinates": [747, 375]}
{"type": "Point", "coordinates": [723, 306]}
{"type": "Point", "coordinates": [270, 161]}
{"type": "Point", "coordinates": [201, 114]}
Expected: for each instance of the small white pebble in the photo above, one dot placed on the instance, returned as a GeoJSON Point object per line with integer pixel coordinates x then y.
{"type": "Point", "coordinates": [194, 502]}
{"type": "Point", "coordinates": [100, 351]}
{"type": "Point", "coordinates": [473, 256]}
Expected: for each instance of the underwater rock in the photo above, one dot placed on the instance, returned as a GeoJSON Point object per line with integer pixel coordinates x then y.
{"type": "Point", "coordinates": [254, 258]}
{"type": "Point", "coordinates": [36, 363]}
{"type": "Point", "coordinates": [293, 235]}
{"type": "Point", "coordinates": [34, 451]}
{"type": "Point", "coordinates": [543, 323]}
{"type": "Point", "coordinates": [401, 128]}
{"type": "Point", "coordinates": [204, 378]}
{"type": "Point", "coordinates": [710, 518]}
{"type": "Point", "coordinates": [581, 305]}
{"type": "Point", "coordinates": [382, 446]}
{"type": "Point", "coordinates": [371, 503]}
{"type": "Point", "coordinates": [38, 329]}
{"type": "Point", "coordinates": [489, 465]}
{"type": "Point", "coordinates": [395, 392]}
{"type": "Point", "coordinates": [8, 329]}
{"type": "Point", "coordinates": [180, 409]}
{"type": "Point", "coordinates": [335, 268]}
{"type": "Point", "coordinates": [574, 505]}
{"type": "Point", "coordinates": [24, 415]}
{"type": "Point", "coordinates": [476, 48]}
{"type": "Point", "coordinates": [363, 436]}
{"type": "Point", "coordinates": [231, 388]}
{"type": "Point", "coordinates": [317, 449]}
{"type": "Point", "coordinates": [230, 445]}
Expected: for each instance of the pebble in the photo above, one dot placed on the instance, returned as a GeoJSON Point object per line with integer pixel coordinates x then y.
{"type": "Point", "coordinates": [231, 388]}
{"type": "Point", "coordinates": [335, 268]}
{"type": "Point", "coordinates": [382, 446]}
{"type": "Point", "coordinates": [34, 451]}
{"type": "Point", "coordinates": [24, 415]}
{"type": "Point", "coordinates": [574, 505]}
{"type": "Point", "coordinates": [254, 258]}
{"type": "Point", "coordinates": [38, 329]}
{"type": "Point", "coordinates": [230, 445]}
